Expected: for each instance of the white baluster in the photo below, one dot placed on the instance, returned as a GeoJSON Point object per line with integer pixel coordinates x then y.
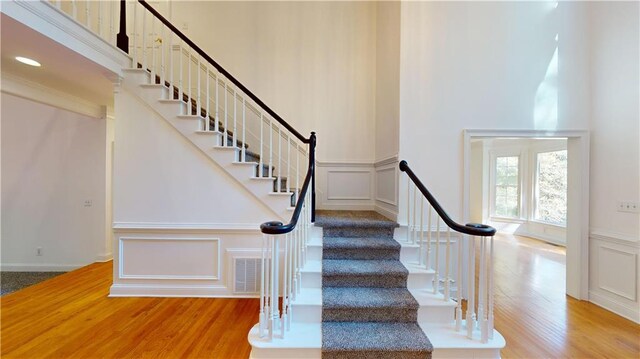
{"type": "Point", "coordinates": [420, 253]}
{"type": "Point", "coordinates": [262, 288]}
{"type": "Point", "coordinates": [235, 117]}
{"type": "Point", "coordinates": [74, 9]}
{"type": "Point", "coordinates": [285, 282]}
{"type": "Point", "coordinates": [459, 284]}
{"type": "Point", "coordinates": [297, 174]}
{"type": "Point", "coordinates": [428, 264]}
{"type": "Point", "coordinates": [482, 294]}
{"type": "Point", "coordinates": [279, 159]}
{"type": "Point", "coordinates": [471, 316]}
{"type": "Point", "coordinates": [87, 15]}
{"type": "Point", "coordinates": [58, 4]}
{"type": "Point", "coordinates": [491, 264]}
{"type": "Point", "coordinates": [436, 277]}
{"type": "Point", "coordinates": [216, 125]}
{"type": "Point", "coordinates": [100, 18]}
{"type": "Point", "coordinates": [447, 263]}
{"type": "Point", "coordinates": [415, 232]}
{"type": "Point", "coordinates": [172, 85]}
{"type": "Point", "coordinates": [208, 99]}
{"type": "Point", "coordinates": [260, 160]}
{"type": "Point", "coordinates": [275, 276]}
{"type": "Point", "coordinates": [163, 68]}
{"type": "Point", "coordinates": [144, 40]}
{"type": "Point", "coordinates": [112, 38]}
{"type": "Point", "coordinates": [244, 131]}
{"type": "Point", "coordinates": [154, 38]}
{"type": "Point", "coordinates": [180, 74]}
{"type": "Point", "coordinates": [199, 92]}
{"type": "Point", "coordinates": [269, 286]}
{"type": "Point", "coordinates": [189, 87]}
{"type": "Point", "coordinates": [270, 148]}
{"type": "Point", "coordinates": [408, 209]}
{"type": "Point", "coordinates": [225, 140]}
{"type": "Point", "coordinates": [134, 36]}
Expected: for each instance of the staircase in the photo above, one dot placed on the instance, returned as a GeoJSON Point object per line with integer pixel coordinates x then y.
{"type": "Point", "coordinates": [352, 285]}
{"type": "Point", "coordinates": [367, 310]}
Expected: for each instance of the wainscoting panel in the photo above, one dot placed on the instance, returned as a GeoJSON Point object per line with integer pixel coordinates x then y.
{"type": "Point", "coordinates": [189, 258]}
{"type": "Point", "coordinates": [386, 191]}
{"type": "Point", "coordinates": [345, 186]}
{"type": "Point", "coordinates": [614, 278]}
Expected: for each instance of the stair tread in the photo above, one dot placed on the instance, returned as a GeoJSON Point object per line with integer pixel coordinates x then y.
{"type": "Point", "coordinates": [369, 336]}
{"type": "Point", "coordinates": [357, 219]}
{"type": "Point", "coordinates": [365, 297]}
{"type": "Point", "coordinates": [348, 267]}
{"type": "Point", "coordinates": [360, 243]}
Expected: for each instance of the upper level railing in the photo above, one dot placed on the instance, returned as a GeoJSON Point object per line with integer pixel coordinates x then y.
{"type": "Point", "coordinates": [479, 314]}
{"type": "Point", "coordinates": [216, 97]}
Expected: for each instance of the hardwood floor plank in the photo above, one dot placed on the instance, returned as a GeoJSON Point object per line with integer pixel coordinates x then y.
{"type": "Point", "coordinates": [70, 316]}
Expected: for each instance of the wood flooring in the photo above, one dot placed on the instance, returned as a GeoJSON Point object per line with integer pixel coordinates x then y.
{"type": "Point", "coordinates": [70, 316]}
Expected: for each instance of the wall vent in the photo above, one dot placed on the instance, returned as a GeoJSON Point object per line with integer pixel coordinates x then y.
{"type": "Point", "coordinates": [246, 276]}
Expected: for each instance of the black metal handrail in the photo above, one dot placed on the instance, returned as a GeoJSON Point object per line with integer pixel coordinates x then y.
{"type": "Point", "coordinates": [473, 229]}
{"type": "Point", "coordinates": [277, 227]}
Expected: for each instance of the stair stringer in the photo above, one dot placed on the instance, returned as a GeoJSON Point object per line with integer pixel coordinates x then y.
{"type": "Point", "coordinates": [155, 97]}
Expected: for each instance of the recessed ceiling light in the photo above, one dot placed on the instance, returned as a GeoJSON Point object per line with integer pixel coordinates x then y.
{"type": "Point", "coordinates": [28, 61]}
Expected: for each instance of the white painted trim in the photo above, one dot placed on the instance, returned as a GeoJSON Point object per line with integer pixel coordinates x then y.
{"type": "Point", "coordinates": [157, 290]}
{"type": "Point", "coordinates": [32, 267]}
{"type": "Point", "coordinates": [19, 86]}
{"type": "Point", "coordinates": [105, 257]}
{"type": "Point", "coordinates": [386, 161]}
{"type": "Point", "coordinates": [613, 237]}
{"type": "Point", "coordinates": [344, 164]}
{"type": "Point", "coordinates": [120, 227]}
{"type": "Point", "coordinates": [121, 254]}
{"type": "Point", "coordinates": [386, 212]}
{"type": "Point", "coordinates": [614, 306]}
{"type": "Point", "coordinates": [46, 19]}
{"type": "Point", "coordinates": [393, 202]}
{"type": "Point", "coordinates": [577, 248]}
{"type": "Point", "coordinates": [632, 297]}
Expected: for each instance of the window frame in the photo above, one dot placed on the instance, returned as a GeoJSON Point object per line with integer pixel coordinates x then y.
{"type": "Point", "coordinates": [535, 187]}
{"type": "Point", "coordinates": [494, 155]}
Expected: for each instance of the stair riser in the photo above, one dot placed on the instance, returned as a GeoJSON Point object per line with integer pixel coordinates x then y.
{"type": "Point", "coordinates": [373, 355]}
{"type": "Point", "coordinates": [285, 353]}
{"type": "Point", "coordinates": [311, 280]}
{"type": "Point", "coordinates": [314, 253]}
{"type": "Point", "coordinates": [420, 281]}
{"type": "Point", "coordinates": [364, 232]}
{"type": "Point", "coordinates": [360, 253]}
{"type": "Point", "coordinates": [155, 93]}
{"type": "Point", "coordinates": [389, 314]}
{"type": "Point", "coordinates": [376, 281]}
{"type": "Point", "coordinates": [136, 77]}
{"type": "Point", "coordinates": [436, 314]}
{"type": "Point", "coordinates": [206, 141]}
{"type": "Point", "coordinates": [306, 313]}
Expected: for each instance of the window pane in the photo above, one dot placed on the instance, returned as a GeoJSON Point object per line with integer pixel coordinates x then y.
{"type": "Point", "coordinates": [551, 185]}
{"type": "Point", "coordinates": [507, 187]}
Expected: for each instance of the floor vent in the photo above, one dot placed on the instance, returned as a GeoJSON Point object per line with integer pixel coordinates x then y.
{"type": "Point", "coordinates": [247, 275]}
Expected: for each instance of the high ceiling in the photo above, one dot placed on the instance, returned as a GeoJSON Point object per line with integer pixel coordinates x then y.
{"type": "Point", "coordinates": [62, 69]}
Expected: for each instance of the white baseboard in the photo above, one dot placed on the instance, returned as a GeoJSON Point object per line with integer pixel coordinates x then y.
{"type": "Point", "coordinates": [30, 267]}
{"type": "Point", "coordinates": [541, 237]}
{"type": "Point", "coordinates": [609, 304]}
{"type": "Point", "coordinates": [387, 213]}
{"type": "Point", "coordinates": [104, 257]}
{"type": "Point", "coordinates": [347, 207]}
{"type": "Point", "coordinates": [183, 291]}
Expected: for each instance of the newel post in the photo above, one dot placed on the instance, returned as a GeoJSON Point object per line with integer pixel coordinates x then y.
{"type": "Point", "coordinates": [122, 40]}
{"type": "Point", "coordinates": [312, 165]}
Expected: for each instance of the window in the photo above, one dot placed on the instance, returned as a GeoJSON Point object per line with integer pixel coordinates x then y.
{"type": "Point", "coordinates": [551, 187]}
{"type": "Point", "coordinates": [507, 187]}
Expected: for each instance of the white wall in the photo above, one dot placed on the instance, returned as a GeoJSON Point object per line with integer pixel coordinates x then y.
{"type": "Point", "coordinates": [480, 66]}
{"type": "Point", "coordinates": [615, 156]}
{"type": "Point", "coordinates": [53, 161]}
{"type": "Point", "coordinates": [314, 63]}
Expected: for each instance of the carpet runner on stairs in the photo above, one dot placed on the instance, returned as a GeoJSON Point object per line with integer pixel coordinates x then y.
{"type": "Point", "coordinates": [367, 310]}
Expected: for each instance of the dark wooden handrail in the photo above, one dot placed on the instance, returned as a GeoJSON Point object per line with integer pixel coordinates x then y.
{"type": "Point", "coordinates": [473, 229]}
{"type": "Point", "coordinates": [276, 227]}
{"type": "Point", "coordinates": [220, 69]}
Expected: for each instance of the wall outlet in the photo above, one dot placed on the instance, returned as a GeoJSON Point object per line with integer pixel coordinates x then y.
{"type": "Point", "coordinates": [88, 203]}
{"type": "Point", "coordinates": [629, 207]}
{"type": "Point", "coordinates": [39, 251]}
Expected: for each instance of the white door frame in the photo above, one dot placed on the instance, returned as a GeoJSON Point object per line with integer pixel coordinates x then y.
{"type": "Point", "coordinates": [577, 197]}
